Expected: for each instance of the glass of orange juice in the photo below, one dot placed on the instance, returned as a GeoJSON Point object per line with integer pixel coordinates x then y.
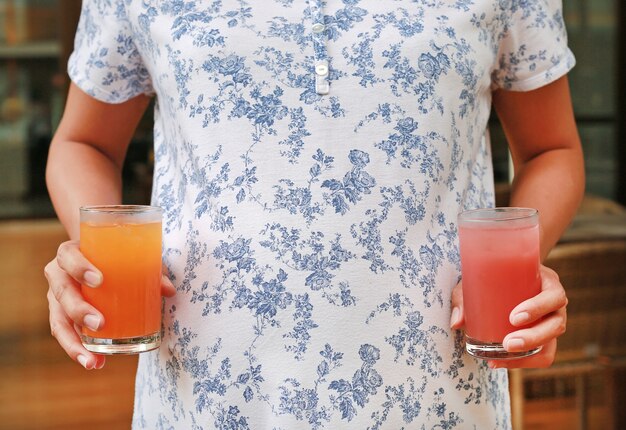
{"type": "Point", "coordinates": [124, 243]}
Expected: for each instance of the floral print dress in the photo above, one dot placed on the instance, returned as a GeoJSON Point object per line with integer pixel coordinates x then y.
{"type": "Point", "coordinates": [311, 158]}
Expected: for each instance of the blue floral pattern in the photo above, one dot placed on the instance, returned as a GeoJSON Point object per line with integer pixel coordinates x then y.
{"type": "Point", "coordinates": [311, 234]}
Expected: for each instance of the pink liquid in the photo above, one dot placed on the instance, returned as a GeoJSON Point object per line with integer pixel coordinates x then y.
{"type": "Point", "coordinates": [500, 268]}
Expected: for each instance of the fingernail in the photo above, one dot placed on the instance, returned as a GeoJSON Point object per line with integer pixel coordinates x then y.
{"type": "Point", "coordinates": [454, 318]}
{"type": "Point", "coordinates": [92, 322]}
{"type": "Point", "coordinates": [514, 344]}
{"type": "Point", "coordinates": [83, 361]}
{"type": "Point", "coordinates": [100, 365]}
{"type": "Point", "coordinates": [92, 279]}
{"type": "Point", "coordinates": [520, 318]}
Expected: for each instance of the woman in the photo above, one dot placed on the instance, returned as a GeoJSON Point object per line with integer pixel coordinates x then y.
{"type": "Point", "coordinates": [311, 158]}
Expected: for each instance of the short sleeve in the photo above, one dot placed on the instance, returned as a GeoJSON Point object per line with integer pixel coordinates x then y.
{"type": "Point", "coordinates": [532, 46]}
{"type": "Point", "coordinates": [105, 62]}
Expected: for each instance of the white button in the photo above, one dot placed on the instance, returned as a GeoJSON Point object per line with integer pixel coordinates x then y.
{"type": "Point", "coordinates": [321, 69]}
{"type": "Point", "coordinates": [318, 27]}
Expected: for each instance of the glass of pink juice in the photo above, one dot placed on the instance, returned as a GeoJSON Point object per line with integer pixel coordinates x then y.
{"type": "Point", "coordinates": [500, 269]}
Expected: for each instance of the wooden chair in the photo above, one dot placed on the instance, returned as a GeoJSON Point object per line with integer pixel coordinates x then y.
{"type": "Point", "coordinates": [594, 275]}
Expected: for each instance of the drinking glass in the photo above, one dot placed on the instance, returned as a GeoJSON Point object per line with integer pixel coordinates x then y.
{"type": "Point", "coordinates": [124, 243]}
{"type": "Point", "coordinates": [500, 269]}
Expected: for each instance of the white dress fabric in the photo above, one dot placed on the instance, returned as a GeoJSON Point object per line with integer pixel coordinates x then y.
{"type": "Point", "coordinates": [311, 158]}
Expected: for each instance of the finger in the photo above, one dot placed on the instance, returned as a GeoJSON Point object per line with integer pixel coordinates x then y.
{"type": "Point", "coordinates": [539, 334]}
{"type": "Point", "coordinates": [65, 291]}
{"type": "Point", "coordinates": [167, 288]}
{"type": "Point", "coordinates": [551, 299]}
{"type": "Point", "coordinates": [72, 261]}
{"type": "Point", "coordinates": [62, 329]}
{"type": "Point", "coordinates": [457, 317]}
{"type": "Point", "coordinates": [543, 358]}
{"type": "Point", "coordinates": [100, 359]}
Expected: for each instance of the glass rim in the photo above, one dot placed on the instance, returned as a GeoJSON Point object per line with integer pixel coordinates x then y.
{"type": "Point", "coordinates": [120, 209]}
{"type": "Point", "coordinates": [509, 214]}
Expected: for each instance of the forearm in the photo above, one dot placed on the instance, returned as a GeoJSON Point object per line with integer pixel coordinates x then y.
{"type": "Point", "coordinates": [547, 155]}
{"type": "Point", "coordinates": [87, 154]}
{"type": "Point", "coordinates": [552, 182]}
{"type": "Point", "coordinates": [78, 174]}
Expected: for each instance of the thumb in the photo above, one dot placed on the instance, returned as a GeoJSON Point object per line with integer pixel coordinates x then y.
{"type": "Point", "coordinates": [457, 317]}
{"type": "Point", "coordinates": [167, 287]}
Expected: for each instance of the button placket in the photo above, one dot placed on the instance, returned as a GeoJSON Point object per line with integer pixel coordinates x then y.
{"type": "Point", "coordinates": [321, 67]}
{"type": "Point", "coordinates": [322, 85]}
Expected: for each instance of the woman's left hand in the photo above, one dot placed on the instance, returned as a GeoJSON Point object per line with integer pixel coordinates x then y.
{"type": "Point", "coordinates": [543, 317]}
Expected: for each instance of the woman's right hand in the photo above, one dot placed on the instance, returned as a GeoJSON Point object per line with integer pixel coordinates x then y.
{"type": "Point", "coordinates": [69, 311]}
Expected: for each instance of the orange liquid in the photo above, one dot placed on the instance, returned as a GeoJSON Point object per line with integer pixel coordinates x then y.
{"type": "Point", "coordinates": [129, 256]}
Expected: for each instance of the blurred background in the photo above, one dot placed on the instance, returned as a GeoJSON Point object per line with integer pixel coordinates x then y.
{"type": "Point", "coordinates": [42, 389]}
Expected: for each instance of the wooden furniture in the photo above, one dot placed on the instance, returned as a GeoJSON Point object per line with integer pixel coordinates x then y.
{"type": "Point", "coordinates": [591, 262]}
{"type": "Point", "coordinates": [40, 387]}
